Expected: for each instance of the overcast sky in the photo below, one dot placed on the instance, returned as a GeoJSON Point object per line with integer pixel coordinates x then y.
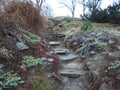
{"type": "Point", "coordinates": [59, 11]}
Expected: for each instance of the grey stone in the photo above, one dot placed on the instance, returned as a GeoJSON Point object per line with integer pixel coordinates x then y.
{"type": "Point", "coordinates": [69, 37]}
{"type": "Point", "coordinates": [43, 58]}
{"type": "Point", "coordinates": [84, 50]}
{"type": "Point", "coordinates": [118, 47]}
{"type": "Point", "coordinates": [54, 42]}
{"type": "Point", "coordinates": [81, 49]}
{"type": "Point", "coordinates": [49, 53]}
{"type": "Point", "coordinates": [67, 57]}
{"type": "Point", "coordinates": [21, 46]}
{"type": "Point", "coordinates": [94, 58]}
{"type": "Point", "coordinates": [73, 65]}
{"type": "Point", "coordinates": [90, 40]}
{"type": "Point", "coordinates": [48, 37]}
{"type": "Point", "coordinates": [1, 66]}
{"type": "Point", "coordinates": [82, 40]}
{"type": "Point", "coordinates": [118, 77]}
{"type": "Point", "coordinates": [61, 50]}
{"type": "Point", "coordinates": [71, 73]}
{"type": "Point", "coordinates": [91, 66]}
{"type": "Point", "coordinates": [58, 35]}
{"type": "Point", "coordinates": [96, 32]}
{"type": "Point", "coordinates": [95, 74]}
{"type": "Point", "coordinates": [111, 42]}
{"type": "Point", "coordinates": [102, 38]}
{"type": "Point", "coordinates": [1, 71]}
{"type": "Point", "coordinates": [103, 86]}
{"type": "Point", "coordinates": [73, 88]}
{"type": "Point", "coordinates": [50, 59]}
{"type": "Point", "coordinates": [65, 80]}
{"type": "Point", "coordinates": [99, 31]}
{"type": "Point", "coordinates": [92, 34]}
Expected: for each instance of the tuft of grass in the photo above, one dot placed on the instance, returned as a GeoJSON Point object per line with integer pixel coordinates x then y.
{"type": "Point", "coordinates": [87, 25]}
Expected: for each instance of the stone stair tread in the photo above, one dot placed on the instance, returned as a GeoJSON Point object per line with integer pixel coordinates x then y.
{"type": "Point", "coordinates": [67, 57]}
{"type": "Point", "coordinates": [48, 36]}
{"type": "Point", "coordinates": [54, 43]}
{"type": "Point", "coordinates": [73, 65]}
{"type": "Point", "coordinates": [73, 88]}
{"type": "Point", "coordinates": [61, 50]}
{"type": "Point", "coordinates": [70, 72]}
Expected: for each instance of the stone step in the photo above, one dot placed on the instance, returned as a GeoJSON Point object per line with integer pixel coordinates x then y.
{"type": "Point", "coordinates": [68, 57]}
{"type": "Point", "coordinates": [73, 88]}
{"type": "Point", "coordinates": [57, 35]}
{"type": "Point", "coordinates": [48, 37]}
{"type": "Point", "coordinates": [61, 50]}
{"type": "Point", "coordinates": [54, 43]}
{"type": "Point", "coordinates": [73, 73]}
{"type": "Point", "coordinates": [73, 65]}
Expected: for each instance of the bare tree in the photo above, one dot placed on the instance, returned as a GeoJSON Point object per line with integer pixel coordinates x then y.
{"type": "Point", "coordinates": [39, 4]}
{"type": "Point", "coordinates": [71, 5]}
{"type": "Point", "coordinates": [47, 10]}
{"type": "Point", "coordinates": [83, 2]}
{"type": "Point", "coordinates": [92, 5]}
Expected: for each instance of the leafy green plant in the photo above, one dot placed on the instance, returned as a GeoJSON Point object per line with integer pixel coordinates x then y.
{"type": "Point", "coordinates": [9, 79]}
{"type": "Point", "coordinates": [31, 61]}
{"type": "Point", "coordinates": [30, 37]}
{"type": "Point", "coordinates": [114, 65]}
{"type": "Point", "coordinates": [86, 25]}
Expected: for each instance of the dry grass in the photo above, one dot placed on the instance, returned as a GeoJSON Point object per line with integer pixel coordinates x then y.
{"type": "Point", "coordinates": [25, 14]}
{"type": "Point", "coordinates": [76, 23]}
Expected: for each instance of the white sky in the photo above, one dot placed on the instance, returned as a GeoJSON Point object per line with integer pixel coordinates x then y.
{"type": "Point", "coordinates": [58, 11]}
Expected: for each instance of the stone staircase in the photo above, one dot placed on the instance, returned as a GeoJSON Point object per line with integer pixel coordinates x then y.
{"type": "Point", "coordinates": [71, 70]}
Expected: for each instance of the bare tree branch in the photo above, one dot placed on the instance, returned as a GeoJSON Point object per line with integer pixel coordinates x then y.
{"type": "Point", "coordinates": [70, 5]}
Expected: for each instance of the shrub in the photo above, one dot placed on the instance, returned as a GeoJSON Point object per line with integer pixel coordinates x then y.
{"type": "Point", "coordinates": [86, 25]}
{"type": "Point", "coordinates": [114, 13]}
{"type": "Point", "coordinates": [110, 15]}
{"type": "Point", "coordinates": [99, 15]}
{"type": "Point", "coordinates": [25, 14]}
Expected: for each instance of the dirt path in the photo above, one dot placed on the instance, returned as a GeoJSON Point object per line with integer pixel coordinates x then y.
{"type": "Point", "coordinates": [72, 74]}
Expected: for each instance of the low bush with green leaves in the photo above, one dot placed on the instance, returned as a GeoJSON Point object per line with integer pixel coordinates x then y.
{"type": "Point", "coordinates": [115, 65]}
{"type": "Point", "coordinates": [87, 25]}
{"type": "Point", "coordinates": [31, 61]}
{"type": "Point", "coordinates": [30, 37]}
{"type": "Point", "coordinates": [10, 79]}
